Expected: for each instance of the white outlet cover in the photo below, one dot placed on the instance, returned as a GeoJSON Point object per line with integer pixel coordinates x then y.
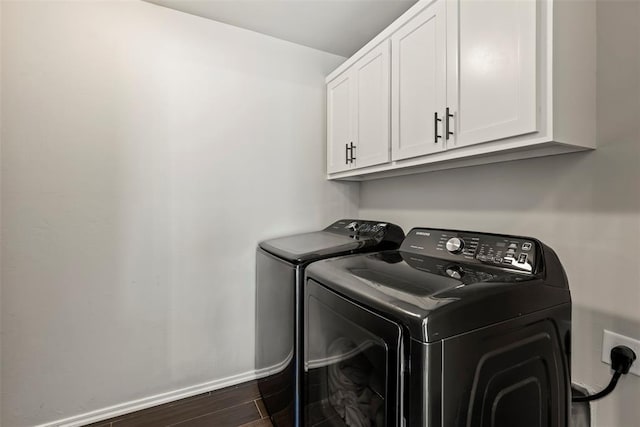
{"type": "Point", "coordinates": [611, 339]}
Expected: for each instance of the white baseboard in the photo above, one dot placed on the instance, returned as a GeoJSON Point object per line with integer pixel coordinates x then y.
{"type": "Point", "coordinates": [148, 402]}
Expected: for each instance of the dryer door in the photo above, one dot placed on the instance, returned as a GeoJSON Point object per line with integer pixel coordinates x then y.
{"type": "Point", "coordinates": [352, 362]}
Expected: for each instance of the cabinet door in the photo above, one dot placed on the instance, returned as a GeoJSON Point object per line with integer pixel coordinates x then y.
{"type": "Point", "coordinates": [373, 104]}
{"type": "Point", "coordinates": [491, 70]}
{"type": "Point", "coordinates": [418, 83]}
{"type": "Point", "coordinates": [340, 120]}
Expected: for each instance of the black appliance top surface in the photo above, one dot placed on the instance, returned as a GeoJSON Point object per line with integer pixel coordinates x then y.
{"type": "Point", "coordinates": [438, 288]}
{"type": "Point", "coordinates": [345, 236]}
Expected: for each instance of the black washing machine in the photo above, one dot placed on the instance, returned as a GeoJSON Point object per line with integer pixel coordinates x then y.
{"type": "Point", "coordinates": [455, 328]}
{"type": "Point", "coordinates": [280, 266]}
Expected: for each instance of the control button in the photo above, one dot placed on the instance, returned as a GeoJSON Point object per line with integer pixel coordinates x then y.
{"type": "Point", "coordinates": [513, 246]}
{"type": "Point", "coordinates": [526, 246]}
{"type": "Point", "coordinates": [507, 261]}
{"type": "Point", "coordinates": [522, 258]}
{"type": "Point", "coordinates": [498, 259]}
{"type": "Point", "coordinates": [481, 258]}
{"type": "Point", "coordinates": [455, 272]}
{"type": "Point", "coordinates": [352, 226]}
{"type": "Point", "coordinates": [455, 245]}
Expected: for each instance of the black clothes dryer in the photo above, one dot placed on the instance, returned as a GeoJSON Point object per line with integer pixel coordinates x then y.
{"type": "Point", "coordinates": [453, 329]}
{"type": "Point", "coordinates": [279, 292]}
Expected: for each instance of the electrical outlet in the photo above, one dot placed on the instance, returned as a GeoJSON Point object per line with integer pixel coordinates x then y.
{"type": "Point", "coordinates": [611, 339]}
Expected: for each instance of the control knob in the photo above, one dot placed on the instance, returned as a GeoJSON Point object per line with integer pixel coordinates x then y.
{"type": "Point", "coordinates": [353, 227]}
{"type": "Point", "coordinates": [455, 245]}
{"type": "Point", "coordinates": [455, 272]}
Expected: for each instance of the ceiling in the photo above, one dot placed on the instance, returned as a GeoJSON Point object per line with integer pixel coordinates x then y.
{"type": "Point", "coordinates": [336, 26]}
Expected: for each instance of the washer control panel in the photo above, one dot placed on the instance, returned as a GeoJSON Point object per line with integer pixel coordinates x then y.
{"type": "Point", "coordinates": [358, 228]}
{"type": "Point", "coordinates": [510, 252]}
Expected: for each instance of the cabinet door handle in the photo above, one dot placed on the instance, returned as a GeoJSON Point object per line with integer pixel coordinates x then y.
{"type": "Point", "coordinates": [353, 150]}
{"type": "Point", "coordinates": [346, 154]}
{"type": "Point", "coordinates": [435, 127]}
{"type": "Point", "coordinates": [446, 124]}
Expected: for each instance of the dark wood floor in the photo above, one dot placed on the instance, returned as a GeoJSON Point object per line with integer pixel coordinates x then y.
{"type": "Point", "coordinates": [235, 406]}
{"type": "Point", "coordinates": [229, 407]}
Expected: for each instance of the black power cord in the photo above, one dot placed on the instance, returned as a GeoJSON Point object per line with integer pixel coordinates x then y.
{"type": "Point", "coordinates": [622, 357]}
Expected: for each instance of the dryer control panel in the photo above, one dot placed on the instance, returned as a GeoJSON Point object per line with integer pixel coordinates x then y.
{"type": "Point", "coordinates": [509, 252]}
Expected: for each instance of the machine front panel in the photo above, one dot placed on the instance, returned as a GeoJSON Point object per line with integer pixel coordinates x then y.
{"type": "Point", "coordinates": [275, 332]}
{"type": "Point", "coordinates": [352, 363]}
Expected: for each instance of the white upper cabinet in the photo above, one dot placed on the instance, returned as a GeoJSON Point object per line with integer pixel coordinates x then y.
{"type": "Point", "coordinates": [491, 70]}
{"type": "Point", "coordinates": [358, 113]}
{"type": "Point", "coordinates": [455, 83]}
{"type": "Point", "coordinates": [340, 119]}
{"type": "Point", "coordinates": [372, 124]}
{"type": "Point", "coordinates": [419, 84]}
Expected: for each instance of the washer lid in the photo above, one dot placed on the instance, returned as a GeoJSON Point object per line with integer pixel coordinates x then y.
{"type": "Point", "coordinates": [342, 237]}
{"type": "Point", "coordinates": [309, 246]}
{"type": "Point", "coordinates": [435, 298]}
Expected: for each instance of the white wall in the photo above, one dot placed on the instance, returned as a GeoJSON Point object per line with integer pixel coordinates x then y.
{"type": "Point", "coordinates": [138, 142]}
{"type": "Point", "coordinates": [145, 152]}
{"type": "Point", "coordinates": [586, 206]}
